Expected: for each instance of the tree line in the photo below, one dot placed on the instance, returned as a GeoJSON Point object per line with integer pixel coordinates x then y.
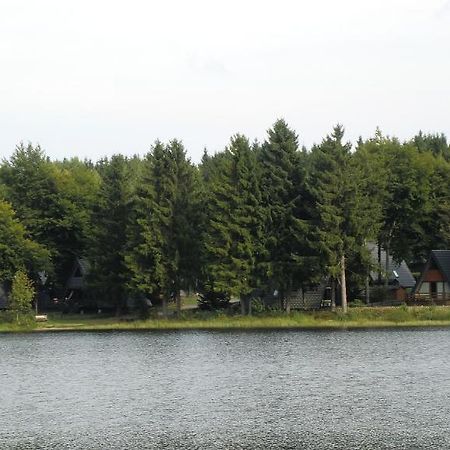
{"type": "Point", "coordinates": [256, 217]}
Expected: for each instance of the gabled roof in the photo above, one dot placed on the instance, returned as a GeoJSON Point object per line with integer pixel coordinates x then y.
{"type": "Point", "coordinates": [397, 272]}
{"type": "Point", "coordinates": [84, 266]}
{"type": "Point", "coordinates": [80, 267]}
{"type": "Point", "coordinates": [442, 260]}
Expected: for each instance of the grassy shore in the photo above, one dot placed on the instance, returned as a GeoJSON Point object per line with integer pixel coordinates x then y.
{"type": "Point", "coordinates": [386, 317]}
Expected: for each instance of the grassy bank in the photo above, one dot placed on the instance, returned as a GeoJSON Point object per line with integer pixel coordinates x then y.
{"type": "Point", "coordinates": [356, 318]}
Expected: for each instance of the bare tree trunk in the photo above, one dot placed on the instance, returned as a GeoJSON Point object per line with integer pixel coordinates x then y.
{"type": "Point", "coordinates": [379, 262]}
{"type": "Point", "coordinates": [178, 302]}
{"type": "Point", "coordinates": [164, 305]}
{"type": "Point", "coordinates": [343, 285]}
{"type": "Point", "coordinates": [367, 290]}
{"type": "Point", "coordinates": [333, 295]}
{"type": "Point", "coordinates": [386, 276]}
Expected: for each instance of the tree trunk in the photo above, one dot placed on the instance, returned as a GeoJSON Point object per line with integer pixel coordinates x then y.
{"type": "Point", "coordinates": [343, 286]}
{"type": "Point", "coordinates": [379, 262]}
{"type": "Point", "coordinates": [249, 306]}
{"type": "Point", "coordinates": [367, 290]}
{"type": "Point", "coordinates": [333, 295]}
{"type": "Point", "coordinates": [164, 304]}
{"type": "Point", "coordinates": [386, 269]}
{"type": "Point", "coordinates": [178, 301]}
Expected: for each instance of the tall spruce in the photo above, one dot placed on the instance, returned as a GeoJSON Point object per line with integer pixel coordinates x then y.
{"type": "Point", "coordinates": [108, 272]}
{"type": "Point", "coordinates": [288, 252]}
{"type": "Point", "coordinates": [163, 259]}
{"type": "Point", "coordinates": [234, 223]}
{"type": "Point", "coordinates": [343, 222]}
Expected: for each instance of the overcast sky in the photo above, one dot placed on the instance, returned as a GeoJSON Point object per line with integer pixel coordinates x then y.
{"type": "Point", "coordinates": [91, 78]}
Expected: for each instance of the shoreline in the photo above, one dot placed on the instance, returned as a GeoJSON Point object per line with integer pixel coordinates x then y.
{"type": "Point", "coordinates": [356, 319]}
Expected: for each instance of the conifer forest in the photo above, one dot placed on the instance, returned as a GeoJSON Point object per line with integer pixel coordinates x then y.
{"type": "Point", "coordinates": [254, 217]}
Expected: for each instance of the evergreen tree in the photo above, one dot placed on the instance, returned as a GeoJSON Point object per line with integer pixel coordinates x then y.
{"type": "Point", "coordinates": [234, 223]}
{"type": "Point", "coordinates": [163, 259]}
{"type": "Point", "coordinates": [435, 143]}
{"type": "Point", "coordinates": [108, 272]}
{"type": "Point", "coordinates": [288, 250]}
{"type": "Point", "coordinates": [343, 209]}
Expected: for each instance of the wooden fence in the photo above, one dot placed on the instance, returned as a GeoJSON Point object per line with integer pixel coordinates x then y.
{"type": "Point", "coordinates": [429, 299]}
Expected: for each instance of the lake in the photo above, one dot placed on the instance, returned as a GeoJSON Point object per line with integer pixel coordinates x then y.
{"type": "Point", "coordinates": [376, 389]}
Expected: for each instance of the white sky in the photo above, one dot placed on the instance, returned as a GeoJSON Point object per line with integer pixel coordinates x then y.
{"type": "Point", "coordinates": [95, 77]}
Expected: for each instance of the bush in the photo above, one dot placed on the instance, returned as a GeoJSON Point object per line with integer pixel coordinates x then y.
{"type": "Point", "coordinates": [356, 303]}
{"type": "Point", "coordinates": [212, 301]}
{"type": "Point", "coordinates": [258, 306]}
{"type": "Point", "coordinates": [14, 320]}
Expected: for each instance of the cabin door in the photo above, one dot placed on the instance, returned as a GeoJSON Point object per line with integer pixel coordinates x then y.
{"type": "Point", "coordinates": [433, 289]}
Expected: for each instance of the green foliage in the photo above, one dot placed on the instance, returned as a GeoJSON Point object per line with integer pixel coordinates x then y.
{"type": "Point", "coordinates": [251, 218]}
{"type": "Point", "coordinates": [346, 217]}
{"type": "Point", "coordinates": [16, 249]}
{"type": "Point", "coordinates": [290, 255]}
{"type": "Point", "coordinates": [52, 201]}
{"type": "Point", "coordinates": [109, 273]}
{"type": "Point", "coordinates": [234, 221]}
{"type": "Point", "coordinates": [163, 231]}
{"type": "Point", "coordinates": [22, 293]}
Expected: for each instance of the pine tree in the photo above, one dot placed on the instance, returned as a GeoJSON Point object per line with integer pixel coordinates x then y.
{"type": "Point", "coordinates": [343, 208]}
{"type": "Point", "coordinates": [163, 258]}
{"type": "Point", "coordinates": [108, 273]}
{"type": "Point", "coordinates": [289, 251]}
{"type": "Point", "coordinates": [234, 222]}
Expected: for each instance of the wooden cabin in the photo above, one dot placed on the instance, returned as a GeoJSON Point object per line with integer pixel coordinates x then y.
{"type": "Point", "coordinates": [307, 298]}
{"type": "Point", "coordinates": [396, 275]}
{"type": "Point", "coordinates": [434, 283]}
{"type": "Point", "coordinates": [76, 297]}
{"type": "Point", "coordinates": [313, 297]}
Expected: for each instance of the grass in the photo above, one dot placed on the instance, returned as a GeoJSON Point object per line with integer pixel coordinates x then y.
{"type": "Point", "coordinates": [383, 317]}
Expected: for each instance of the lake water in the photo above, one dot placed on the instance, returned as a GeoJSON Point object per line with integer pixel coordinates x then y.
{"type": "Point", "coordinates": [380, 389]}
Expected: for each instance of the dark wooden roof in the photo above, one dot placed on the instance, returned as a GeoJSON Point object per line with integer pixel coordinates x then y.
{"type": "Point", "coordinates": [77, 278]}
{"type": "Point", "coordinates": [442, 260]}
{"type": "Point", "coordinates": [397, 272]}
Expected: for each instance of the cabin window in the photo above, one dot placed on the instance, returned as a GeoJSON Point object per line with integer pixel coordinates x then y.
{"type": "Point", "coordinates": [425, 288]}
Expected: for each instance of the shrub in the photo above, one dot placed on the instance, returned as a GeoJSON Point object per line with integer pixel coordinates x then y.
{"type": "Point", "coordinates": [22, 293]}
{"type": "Point", "coordinates": [356, 303]}
{"type": "Point", "coordinates": [212, 301]}
{"type": "Point", "coordinates": [258, 306]}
